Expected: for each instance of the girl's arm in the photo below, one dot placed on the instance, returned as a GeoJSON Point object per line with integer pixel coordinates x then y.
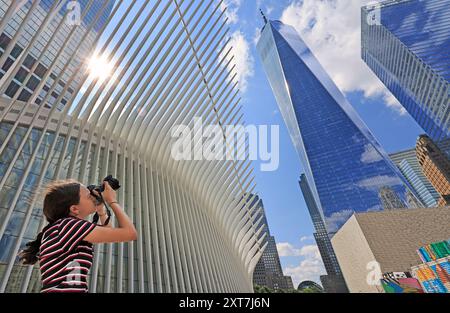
{"type": "Point", "coordinates": [125, 230]}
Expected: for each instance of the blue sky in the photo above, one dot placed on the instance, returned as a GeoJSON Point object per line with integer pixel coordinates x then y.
{"type": "Point", "coordinates": [331, 29]}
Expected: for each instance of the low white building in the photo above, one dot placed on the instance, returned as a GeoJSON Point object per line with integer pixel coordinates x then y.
{"type": "Point", "coordinates": [372, 243]}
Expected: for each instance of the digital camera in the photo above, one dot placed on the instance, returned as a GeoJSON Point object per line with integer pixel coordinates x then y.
{"type": "Point", "coordinates": [113, 182]}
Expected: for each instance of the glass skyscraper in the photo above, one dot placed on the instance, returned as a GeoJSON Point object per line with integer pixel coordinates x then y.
{"type": "Point", "coordinates": [24, 26]}
{"type": "Point", "coordinates": [408, 164]}
{"type": "Point", "coordinates": [268, 271]}
{"type": "Point", "coordinates": [333, 282]}
{"type": "Point", "coordinates": [93, 8]}
{"type": "Point", "coordinates": [407, 46]}
{"type": "Point", "coordinates": [326, 250]}
{"type": "Point", "coordinates": [344, 165]}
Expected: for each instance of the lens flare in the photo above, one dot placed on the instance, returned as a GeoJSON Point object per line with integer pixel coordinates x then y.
{"type": "Point", "coordinates": [99, 67]}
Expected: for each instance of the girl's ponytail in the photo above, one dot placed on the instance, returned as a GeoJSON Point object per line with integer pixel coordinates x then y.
{"type": "Point", "coordinates": [59, 196]}
{"type": "Point", "coordinates": [29, 255]}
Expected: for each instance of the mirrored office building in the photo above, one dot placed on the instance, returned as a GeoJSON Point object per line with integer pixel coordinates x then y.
{"type": "Point", "coordinates": [345, 166]}
{"type": "Point", "coordinates": [30, 18]}
{"type": "Point", "coordinates": [406, 43]}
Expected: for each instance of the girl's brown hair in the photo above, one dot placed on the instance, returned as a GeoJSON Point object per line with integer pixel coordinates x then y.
{"type": "Point", "coordinates": [59, 197]}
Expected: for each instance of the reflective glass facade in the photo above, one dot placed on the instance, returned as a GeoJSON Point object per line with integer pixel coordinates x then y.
{"type": "Point", "coordinates": [333, 282]}
{"type": "Point", "coordinates": [46, 56]}
{"type": "Point", "coordinates": [321, 236]}
{"type": "Point", "coordinates": [89, 17]}
{"type": "Point", "coordinates": [344, 164]}
{"type": "Point", "coordinates": [408, 164]}
{"type": "Point", "coordinates": [22, 205]}
{"type": "Point", "coordinates": [409, 50]}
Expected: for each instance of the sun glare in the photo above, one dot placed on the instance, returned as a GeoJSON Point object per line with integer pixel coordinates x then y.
{"type": "Point", "coordinates": [99, 68]}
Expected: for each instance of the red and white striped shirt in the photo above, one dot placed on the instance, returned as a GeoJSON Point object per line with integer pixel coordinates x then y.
{"type": "Point", "coordinates": [64, 257]}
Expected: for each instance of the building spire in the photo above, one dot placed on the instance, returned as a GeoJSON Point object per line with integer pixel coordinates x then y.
{"type": "Point", "coordinates": [264, 17]}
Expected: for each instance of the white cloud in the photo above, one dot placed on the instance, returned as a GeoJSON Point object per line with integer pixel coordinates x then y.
{"type": "Point", "coordinates": [376, 182]}
{"type": "Point", "coordinates": [332, 30]}
{"type": "Point", "coordinates": [256, 36]}
{"type": "Point", "coordinates": [287, 249]}
{"type": "Point", "coordinates": [310, 250]}
{"type": "Point", "coordinates": [258, 4]}
{"type": "Point", "coordinates": [337, 219]}
{"type": "Point", "coordinates": [370, 155]}
{"type": "Point", "coordinates": [242, 59]}
{"type": "Point", "coordinates": [393, 103]}
{"type": "Point", "coordinates": [309, 268]}
{"type": "Point", "coordinates": [266, 8]}
{"type": "Point", "coordinates": [306, 238]}
{"type": "Point", "coordinates": [232, 9]}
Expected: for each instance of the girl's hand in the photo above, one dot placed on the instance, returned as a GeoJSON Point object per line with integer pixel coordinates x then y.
{"type": "Point", "coordinates": [109, 195]}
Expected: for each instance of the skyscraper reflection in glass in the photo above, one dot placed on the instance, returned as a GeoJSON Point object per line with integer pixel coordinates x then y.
{"type": "Point", "coordinates": [408, 47]}
{"type": "Point", "coordinates": [344, 164]}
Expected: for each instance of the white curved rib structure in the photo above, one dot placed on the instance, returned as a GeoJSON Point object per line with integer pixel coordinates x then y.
{"type": "Point", "coordinates": [171, 63]}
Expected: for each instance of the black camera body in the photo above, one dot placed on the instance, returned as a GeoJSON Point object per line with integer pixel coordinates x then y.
{"type": "Point", "coordinates": [113, 182]}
